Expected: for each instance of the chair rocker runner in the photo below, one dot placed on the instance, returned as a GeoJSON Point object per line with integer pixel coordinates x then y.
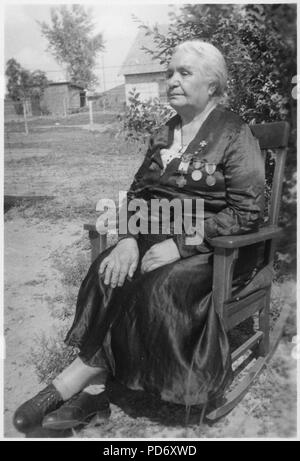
{"type": "Point", "coordinates": [255, 298]}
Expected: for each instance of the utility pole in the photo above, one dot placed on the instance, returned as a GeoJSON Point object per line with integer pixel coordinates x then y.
{"type": "Point", "coordinates": [91, 114]}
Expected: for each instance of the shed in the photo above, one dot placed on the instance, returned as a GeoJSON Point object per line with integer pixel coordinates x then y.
{"type": "Point", "coordinates": [61, 98]}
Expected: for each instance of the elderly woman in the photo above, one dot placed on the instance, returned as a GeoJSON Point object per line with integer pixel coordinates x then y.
{"type": "Point", "coordinates": [145, 310]}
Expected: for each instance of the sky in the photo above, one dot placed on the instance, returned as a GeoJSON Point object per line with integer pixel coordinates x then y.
{"type": "Point", "coordinates": [24, 42]}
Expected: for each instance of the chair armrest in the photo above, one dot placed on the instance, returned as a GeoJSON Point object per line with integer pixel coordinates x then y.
{"type": "Point", "coordinates": [237, 241]}
{"type": "Point", "coordinates": [90, 227]}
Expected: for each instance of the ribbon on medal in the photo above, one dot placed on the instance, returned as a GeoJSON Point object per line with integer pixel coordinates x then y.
{"type": "Point", "coordinates": [183, 169]}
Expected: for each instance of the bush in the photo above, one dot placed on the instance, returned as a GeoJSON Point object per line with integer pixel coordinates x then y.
{"type": "Point", "coordinates": [143, 118]}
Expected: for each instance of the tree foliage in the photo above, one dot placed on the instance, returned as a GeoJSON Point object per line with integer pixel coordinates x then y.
{"type": "Point", "coordinates": [72, 42]}
{"type": "Point", "coordinates": [22, 83]}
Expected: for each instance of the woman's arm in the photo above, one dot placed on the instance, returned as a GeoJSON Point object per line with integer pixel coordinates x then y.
{"type": "Point", "coordinates": [123, 259]}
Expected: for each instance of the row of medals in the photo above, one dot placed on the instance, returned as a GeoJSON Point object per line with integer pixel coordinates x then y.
{"type": "Point", "coordinates": [196, 174]}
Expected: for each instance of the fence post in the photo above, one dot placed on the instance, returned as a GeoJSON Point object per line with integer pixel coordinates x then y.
{"type": "Point", "coordinates": [65, 107]}
{"type": "Point", "coordinates": [25, 117]}
{"type": "Point", "coordinates": [91, 114]}
{"type": "Point", "coordinates": [29, 109]}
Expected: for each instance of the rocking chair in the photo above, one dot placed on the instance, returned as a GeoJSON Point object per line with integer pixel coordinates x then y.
{"type": "Point", "coordinates": [255, 299]}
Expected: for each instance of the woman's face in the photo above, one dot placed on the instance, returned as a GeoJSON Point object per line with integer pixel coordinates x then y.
{"type": "Point", "coordinates": [187, 87]}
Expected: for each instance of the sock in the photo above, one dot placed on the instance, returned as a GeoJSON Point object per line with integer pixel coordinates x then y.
{"type": "Point", "coordinates": [74, 378]}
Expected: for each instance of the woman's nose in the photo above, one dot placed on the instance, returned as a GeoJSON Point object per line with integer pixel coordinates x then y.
{"type": "Point", "coordinates": [173, 81]}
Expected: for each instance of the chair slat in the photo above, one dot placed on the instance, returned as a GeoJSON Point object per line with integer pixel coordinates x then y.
{"type": "Point", "coordinates": [254, 339]}
{"type": "Point", "coordinates": [272, 135]}
{"type": "Point", "coordinates": [237, 311]}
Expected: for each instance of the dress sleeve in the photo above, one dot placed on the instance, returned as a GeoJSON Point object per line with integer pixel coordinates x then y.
{"type": "Point", "coordinates": [243, 169]}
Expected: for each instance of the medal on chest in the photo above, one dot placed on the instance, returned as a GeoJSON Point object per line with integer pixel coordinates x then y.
{"type": "Point", "coordinates": [196, 175]}
{"type": "Point", "coordinates": [181, 181]}
{"type": "Point", "coordinates": [183, 169]}
{"type": "Point", "coordinates": [210, 180]}
{"type": "Point", "coordinates": [210, 169]}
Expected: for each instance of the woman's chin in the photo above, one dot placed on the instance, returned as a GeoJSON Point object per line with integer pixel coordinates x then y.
{"type": "Point", "coordinates": [176, 103]}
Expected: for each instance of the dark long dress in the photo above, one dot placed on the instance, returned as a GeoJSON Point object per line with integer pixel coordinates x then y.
{"type": "Point", "coordinates": [160, 332]}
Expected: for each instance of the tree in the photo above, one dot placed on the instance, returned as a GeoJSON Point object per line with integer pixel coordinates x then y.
{"type": "Point", "coordinates": [22, 83]}
{"type": "Point", "coordinates": [15, 78]}
{"type": "Point", "coordinates": [71, 41]}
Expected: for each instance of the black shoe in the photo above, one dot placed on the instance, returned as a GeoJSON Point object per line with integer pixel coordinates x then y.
{"type": "Point", "coordinates": [31, 413]}
{"type": "Point", "coordinates": [80, 409]}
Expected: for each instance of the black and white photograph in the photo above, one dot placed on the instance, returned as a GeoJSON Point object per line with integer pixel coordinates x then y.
{"type": "Point", "coordinates": [149, 221]}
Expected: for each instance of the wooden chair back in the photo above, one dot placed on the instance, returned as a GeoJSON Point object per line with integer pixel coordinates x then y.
{"type": "Point", "coordinates": [274, 136]}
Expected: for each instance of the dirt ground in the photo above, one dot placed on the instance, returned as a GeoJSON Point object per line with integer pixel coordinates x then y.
{"type": "Point", "coordinates": [50, 162]}
{"type": "Point", "coordinates": [30, 279]}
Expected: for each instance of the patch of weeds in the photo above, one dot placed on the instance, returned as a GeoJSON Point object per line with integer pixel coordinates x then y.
{"type": "Point", "coordinates": [32, 283]}
{"type": "Point", "coordinates": [284, 293]}
{"type": "Point", "coordinates": [50, 356]}
{"type": "Point", "coordinates": [65, 308]}
{"type": "Point", "coordinates": [72, 268]}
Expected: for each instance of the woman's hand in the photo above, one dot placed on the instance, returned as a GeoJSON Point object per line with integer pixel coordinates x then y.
{"type": "Point", "coordinates": [120, 263]}
{"type": "Point", "coordinates": [160, 254]}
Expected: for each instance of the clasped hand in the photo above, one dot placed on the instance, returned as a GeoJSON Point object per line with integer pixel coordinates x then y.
{"type": "Point", "coordinates": [123, 260]}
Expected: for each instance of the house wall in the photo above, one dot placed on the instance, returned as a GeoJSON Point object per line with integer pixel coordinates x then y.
{"type": "Point", "coordinates": [149, 86]}
{"type": "Point", "coordinates": [113, 99]}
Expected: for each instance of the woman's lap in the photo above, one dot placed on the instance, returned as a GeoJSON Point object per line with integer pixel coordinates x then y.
{"type": "Point", "coordinates": [159, 331]}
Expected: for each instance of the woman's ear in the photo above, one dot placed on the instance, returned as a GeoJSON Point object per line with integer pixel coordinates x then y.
{"type": "Point", "coordinates": [212, 89]}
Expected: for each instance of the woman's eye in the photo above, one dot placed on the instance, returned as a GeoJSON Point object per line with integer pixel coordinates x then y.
{"type": "Point", "coordinates": [182, 72]}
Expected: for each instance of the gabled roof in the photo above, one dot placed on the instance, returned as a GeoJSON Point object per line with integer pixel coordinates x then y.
{"type": "Point", "coordinates": [137, 60]}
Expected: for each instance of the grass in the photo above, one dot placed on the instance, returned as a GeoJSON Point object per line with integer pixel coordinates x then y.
{"type": "Point", "coordinates": [81, 118]}
{"type": "Point", "coordinates": [76, 170]}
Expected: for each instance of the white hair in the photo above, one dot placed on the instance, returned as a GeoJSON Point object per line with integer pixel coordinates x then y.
{"type": "Point", "coordinates": [212, 63]}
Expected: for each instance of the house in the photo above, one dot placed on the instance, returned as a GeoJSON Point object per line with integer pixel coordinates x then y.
{"type": "Point", "coordinates": [142, 72]}
{"type": "Point", "coordinates": [112, 99]}
{"type": "Point", "coordinates": [61, 98]}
